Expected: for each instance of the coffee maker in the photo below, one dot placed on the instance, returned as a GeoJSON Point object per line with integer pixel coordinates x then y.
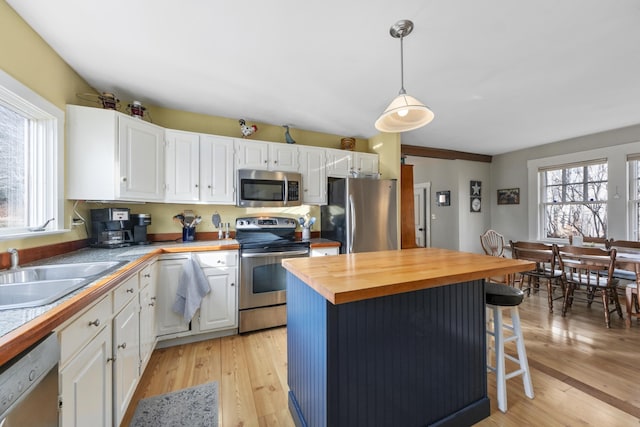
{"type": "Point", "coordinates": [110, 228]}
{"type": "Point", "coordinates": [138, 226]}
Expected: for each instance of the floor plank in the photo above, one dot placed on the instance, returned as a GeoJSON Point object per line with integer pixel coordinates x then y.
{"type": "Point", "coordinates": [582, 372]}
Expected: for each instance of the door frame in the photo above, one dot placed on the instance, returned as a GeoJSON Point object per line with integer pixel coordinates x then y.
{"type": "Point", "coordinates": [425, 188]}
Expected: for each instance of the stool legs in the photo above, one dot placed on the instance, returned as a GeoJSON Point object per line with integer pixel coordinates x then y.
{"type": "Point", "coordinates": [495, 329]}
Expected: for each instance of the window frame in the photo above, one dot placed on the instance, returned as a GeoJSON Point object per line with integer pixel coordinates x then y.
{"type": "Point", "coordinates": [46, 192]}
{"type": "Point", "coordinates": [543, 188]}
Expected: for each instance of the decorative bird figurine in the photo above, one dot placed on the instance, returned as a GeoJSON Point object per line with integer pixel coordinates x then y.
{"type": "Point", "coordinates": [287, 136]}
{"type": "Point", "coordinates": [247, 130]}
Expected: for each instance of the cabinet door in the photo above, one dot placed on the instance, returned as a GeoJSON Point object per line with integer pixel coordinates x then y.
{"type": "Point", "coordinates": [182, 166]}
{"type": "Point", "coordinates": [339, 163]}
{"type": "Point", "coordinates": [141, 146]}
{"type": "Point", "coordinates": [217, 181]}
{"type": "Point", "coordinates": [283, 157]}
{"type": "Point", "coordinates": [168, 274]}
{"type": "Point", "coordinates": [366, 162]}
{"type": "Point", "coordinates": [252, 154]}
{"type": "Point", "coordinates": [126, 354]}
{"type": "Point", "coordinates": [219, 307]}
{"type": "Point", "coordinates": [314, 179]}
{"type": "Point", "coordinates": [148, 317]}
{"type": "Point", "coordinates": [85, 385]}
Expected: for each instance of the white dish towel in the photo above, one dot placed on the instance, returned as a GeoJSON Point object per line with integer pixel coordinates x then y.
{"type": "Point", "coordinates": [192, 287]}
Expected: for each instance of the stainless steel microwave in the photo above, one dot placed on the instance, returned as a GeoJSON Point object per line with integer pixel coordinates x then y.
{"type": "Point", "coordinates": [260, 188]}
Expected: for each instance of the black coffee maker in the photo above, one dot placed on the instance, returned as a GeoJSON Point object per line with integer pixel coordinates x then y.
{"type": "Point", "coordinates": [110, 228]}
{"type": "Point", "coordinates": [138, 226]}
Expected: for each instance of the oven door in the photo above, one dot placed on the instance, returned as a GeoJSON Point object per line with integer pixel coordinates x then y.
{"type": "Point", "coordinates": [263, 280]}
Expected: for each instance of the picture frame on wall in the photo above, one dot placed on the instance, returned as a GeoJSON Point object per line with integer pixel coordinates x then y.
{"type": "Point", "coordinates": [475, 190]}
{"type": "Point", "coordinates": [443, 198]}
{"type": "Point", "coordinates": [509, 196]}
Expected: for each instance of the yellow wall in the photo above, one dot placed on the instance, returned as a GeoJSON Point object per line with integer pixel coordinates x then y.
{"type": "Point", "coordinates": [30, 60]}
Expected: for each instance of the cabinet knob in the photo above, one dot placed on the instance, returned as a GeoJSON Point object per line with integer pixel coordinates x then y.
{"type": "Point", "coordinates": [111, 359]}
{"type": "Point", "coordinates": [233, 284]}
{"type": "Point", "coordinates": [124, 179]}
{"type": "Point", "coordinates": [275, 162]}
{"type": "Point", "coordinates": [123, 345]}
{"type": "Point", "coordinates": [265, 162]}
{"type": "Point", "coordinates": [130, 290]}
{"type": "Point", "coordinates": [208, 186]}
{"type": "Point", "coordinates": [147, 275]}
{"type": "Point", "coordinates": [95, 323]}
{"type": "Point", "coordinates": [196, 185]}
{"type": "Point", "coordinates": [151, 304]}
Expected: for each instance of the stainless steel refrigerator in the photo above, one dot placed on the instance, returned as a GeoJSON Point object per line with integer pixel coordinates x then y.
{"type": "Point", "coordinates": [361, 214]}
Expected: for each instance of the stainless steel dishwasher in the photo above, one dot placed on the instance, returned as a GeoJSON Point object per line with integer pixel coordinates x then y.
{"type": "Point", "coordinates": [29, 386]}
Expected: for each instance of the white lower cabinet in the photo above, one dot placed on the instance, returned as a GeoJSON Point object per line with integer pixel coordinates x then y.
{"type": "Point", "coordinates": [219, 308]}
{"type": "Point", "coordinates": [148, 313]}
{"type": "Point", "coordinates": [85, 376]}
{"type": "Point", "coordinates": [169, 270]}
{"type": "Point", "coordinates": [126, 355]}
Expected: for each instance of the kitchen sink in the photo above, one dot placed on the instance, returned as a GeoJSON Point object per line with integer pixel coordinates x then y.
{"type": "Point", "coordinates": [44, 284]}
{"type": "Point", "coordinates": [56, 272]}
{"type": "Point", "coordinates": [33, 294]}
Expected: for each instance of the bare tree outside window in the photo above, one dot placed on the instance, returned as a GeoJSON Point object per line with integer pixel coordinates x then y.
{"type": "Point", "coordinates": [574, 200]}
{"type": "Point", "coordinates": [13, 169]}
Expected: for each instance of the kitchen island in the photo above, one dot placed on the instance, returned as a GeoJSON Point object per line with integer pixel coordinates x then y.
{"type": "Point", "coordinates": [389, 338]}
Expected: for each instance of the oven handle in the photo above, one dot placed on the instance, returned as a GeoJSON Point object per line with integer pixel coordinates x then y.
{"type": "Point", "coordinates": [272, 254]}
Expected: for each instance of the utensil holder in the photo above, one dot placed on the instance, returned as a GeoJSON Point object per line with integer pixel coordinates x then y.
{"type": "Point", "coordinates": [306, 233]}
{"type": "Point", "coordinates": [188, 234]}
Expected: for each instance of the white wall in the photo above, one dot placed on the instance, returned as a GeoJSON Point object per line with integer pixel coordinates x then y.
{"type": "Point", "coordinates": [454, 226]}
{"type": "Point", "coordinates": [511, 170]}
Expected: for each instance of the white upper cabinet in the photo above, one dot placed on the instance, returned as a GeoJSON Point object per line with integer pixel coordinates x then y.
{"type": "Point", "coordinates": [314, 177]}
{"type": "Point", "coordinates": [182, 172]}
{"type": "Point", "coordinates": [365, 162]}
{"type": "Point", "coordinates": [264, 155]}
{"type": "Point", "coordinates": [216, 170]}
{"type": "Point", "coordinates": [112, 156]}
{"type": "Point", "coordinates": [252, 154]}
{"type": "Point", "coordinates": [283, 157]}
{"type": "Point", "coordinates": [339, 163]}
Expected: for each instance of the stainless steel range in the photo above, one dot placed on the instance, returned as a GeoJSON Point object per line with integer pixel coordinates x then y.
{"type": "Point", "coordinates": [264, 242]}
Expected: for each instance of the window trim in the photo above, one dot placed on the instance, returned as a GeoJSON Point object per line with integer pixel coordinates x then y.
{"type": "Point", "coordinates": [51, 125]}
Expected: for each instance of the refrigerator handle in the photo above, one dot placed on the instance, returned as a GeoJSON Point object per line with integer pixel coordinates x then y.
{"type": "Point", "coordinates": [353, 224]}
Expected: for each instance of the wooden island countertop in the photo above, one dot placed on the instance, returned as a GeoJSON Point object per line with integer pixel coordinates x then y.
{"type": "Point", "coordinates": [355, 277]}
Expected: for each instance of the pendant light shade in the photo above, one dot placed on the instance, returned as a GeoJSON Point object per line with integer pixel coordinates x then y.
{"type": "Point", "coordinates": [405, 112]}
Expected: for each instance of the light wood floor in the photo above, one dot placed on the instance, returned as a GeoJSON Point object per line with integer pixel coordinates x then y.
{"type": "Point", "coordinates": [583, 373]}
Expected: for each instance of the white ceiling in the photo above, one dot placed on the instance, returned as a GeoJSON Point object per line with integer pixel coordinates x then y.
{"type": "Point", "coordinates": [500, 75]}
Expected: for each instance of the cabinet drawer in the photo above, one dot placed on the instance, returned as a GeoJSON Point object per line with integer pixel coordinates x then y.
{"type": "Point", "coordinates": [324, 251]}
{"type": "Point", "coordinates": [217, 259]}
{"type": "Point", "coordinates": [75, 336]}
{"type": "Point", "coordinates": [124, 293]}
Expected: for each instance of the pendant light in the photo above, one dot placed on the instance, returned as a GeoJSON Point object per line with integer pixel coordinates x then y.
{"type": "Point", "coordinates": [405, 112]}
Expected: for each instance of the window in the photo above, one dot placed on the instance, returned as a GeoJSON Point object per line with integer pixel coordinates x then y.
{"type": "Point", "coordinates": [30, 160]}
{"type": "Point", "coordinates": [574, 200]}
{"type": "Point", "coordinates": [634, 195]}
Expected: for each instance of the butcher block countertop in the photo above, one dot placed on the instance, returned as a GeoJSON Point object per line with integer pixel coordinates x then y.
{"type": "Point", "coordinates": [354, 277]}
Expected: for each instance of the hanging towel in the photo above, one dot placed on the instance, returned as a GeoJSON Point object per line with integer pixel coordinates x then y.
{"type": "Point", "coordinates": [192, 287]}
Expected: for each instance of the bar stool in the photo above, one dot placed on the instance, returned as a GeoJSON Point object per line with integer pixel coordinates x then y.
{"type": "Point", "coordinates": [499, 297]}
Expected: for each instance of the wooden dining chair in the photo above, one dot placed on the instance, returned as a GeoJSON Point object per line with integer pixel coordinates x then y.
{"type": "Point", "coordinates": [628, 267]}
{"type": "Point", "coordinates": [493, 244]}
{"type": "Point", "coordinates": [547, 268]}
{"type": "Point", "coordinates": [589, 271]}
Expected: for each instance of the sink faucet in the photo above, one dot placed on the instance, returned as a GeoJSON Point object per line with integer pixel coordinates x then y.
{"type": "Point", "coordinates": [14, 258]}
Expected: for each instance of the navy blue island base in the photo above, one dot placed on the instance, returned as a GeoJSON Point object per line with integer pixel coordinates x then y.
{"type": "Point", "coordinates": [409, 359]}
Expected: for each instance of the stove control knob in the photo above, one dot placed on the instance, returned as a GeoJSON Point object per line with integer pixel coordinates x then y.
{"type": "Point", "coordinates": [240, 222]}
